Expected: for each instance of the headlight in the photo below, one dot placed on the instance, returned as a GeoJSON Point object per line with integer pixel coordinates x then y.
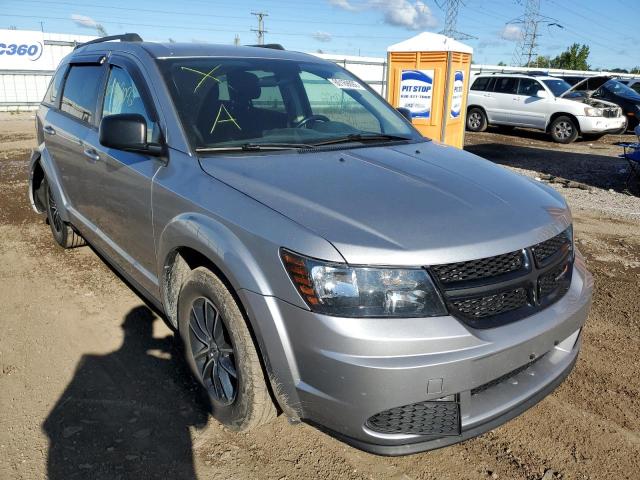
{"type": "Point", "coordinates": [593, 112]}
{"type": "Point", "coordinates": [344, 291]}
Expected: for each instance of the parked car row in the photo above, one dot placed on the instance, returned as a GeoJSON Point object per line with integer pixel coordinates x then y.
{"type": "Point", "coordinates": [546, 103]}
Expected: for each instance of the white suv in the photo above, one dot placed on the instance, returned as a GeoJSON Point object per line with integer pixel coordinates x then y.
{"type": "Point", "coordinates": [541, 102]}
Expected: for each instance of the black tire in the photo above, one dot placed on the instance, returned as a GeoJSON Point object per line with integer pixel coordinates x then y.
{"type": "Point", "coordinates": [476, 120]}
{"type": "Point", "coordinates": [563, 130]}
{"type": "Point", "coordinates": [63, 233]}
{"type": "Point", "coordinates": [241, 402]}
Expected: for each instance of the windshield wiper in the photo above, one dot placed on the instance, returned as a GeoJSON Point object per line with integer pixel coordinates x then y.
{"type": "Point", "coordinates": [362, 137]}
{"type": "Point", "coordinates": [254, 147]}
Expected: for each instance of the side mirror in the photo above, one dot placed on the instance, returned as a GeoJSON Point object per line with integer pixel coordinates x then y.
{"type": "Point", "coordinates": [542, 94]}
{"type": "Point", "coordinates": [405, 112]}
{"type": "Point", "coordinates": [127, 131]}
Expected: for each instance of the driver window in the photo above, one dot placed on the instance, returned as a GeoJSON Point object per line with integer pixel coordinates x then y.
{"type": "Point", "coordinates": [122, 96]}
{"type": "Point", "coordinates": [336, 104]}
{"type": "Point", "coordinates": [528, 87]}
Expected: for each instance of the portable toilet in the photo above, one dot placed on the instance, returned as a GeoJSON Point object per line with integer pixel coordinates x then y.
{"type": "Point", "coordinates": [429, 75]}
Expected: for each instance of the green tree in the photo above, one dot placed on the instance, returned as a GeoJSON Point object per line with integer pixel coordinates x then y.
{"type": "Point", "coordinates": [635, 70]}
{"type": "Point", "coordinates": [573, 58]}
{"type": "Point", "coordinates": [502, 64]}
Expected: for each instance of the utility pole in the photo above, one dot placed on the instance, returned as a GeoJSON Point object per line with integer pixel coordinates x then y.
{"type": "Point", "coordinates": [527, 48]}
{"type": "Point", "coordinates": [236, 41]}
{"type": "Point", "coordinates": [451, 8]}
{"type": "Point", "coordinates": [260, 31]}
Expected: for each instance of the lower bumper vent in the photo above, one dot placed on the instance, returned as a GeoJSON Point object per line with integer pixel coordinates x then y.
{"type": "Point", "coordinates": [425, 418]}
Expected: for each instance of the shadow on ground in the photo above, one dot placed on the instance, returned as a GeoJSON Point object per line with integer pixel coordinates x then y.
{"type": "Point", "coordinates": [127, 414]}
{"type": "Point", "coordinates": [600, 171]}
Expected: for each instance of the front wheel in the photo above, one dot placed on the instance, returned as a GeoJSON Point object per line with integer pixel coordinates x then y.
{"type": "Point", "coordinates": [476, 120]}
{"type": "Point", "coordinates": [563, 130]}
{"type": "Point", "coordinates": [221, 353]}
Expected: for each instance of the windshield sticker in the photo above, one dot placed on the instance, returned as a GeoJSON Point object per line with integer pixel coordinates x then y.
{"type": "Point", "coordinates": [204, 75]}
{"type": "Point", "coordinates": [346, 84]}
{"type": "Point", "coordinates": [229, 118]}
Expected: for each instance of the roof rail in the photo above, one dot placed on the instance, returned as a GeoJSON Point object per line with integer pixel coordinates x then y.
{"type": "Point", "coordinates": [531, 74]}
{"type": "Point", "coordinates": [273, 46]}
{"type": "Point", "coordinates": [125, 37]}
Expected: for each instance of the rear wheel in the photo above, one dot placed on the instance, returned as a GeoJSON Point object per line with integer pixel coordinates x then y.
{"type": "Point", "coordinates": [563, 130]}
{"type": "Point", "coordinates": [63, 233]}
{"type": "Point", "coordinates": [476, 120]}
{"type": "Point", "coordinates": [221, 353]}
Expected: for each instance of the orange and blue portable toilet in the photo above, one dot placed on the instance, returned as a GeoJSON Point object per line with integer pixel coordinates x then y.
{"type": "Point", "coordinates": [429, 75]}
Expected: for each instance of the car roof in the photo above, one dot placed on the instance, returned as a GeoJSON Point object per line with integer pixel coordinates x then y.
{"type": "Point", "coordinates": [185, 50]}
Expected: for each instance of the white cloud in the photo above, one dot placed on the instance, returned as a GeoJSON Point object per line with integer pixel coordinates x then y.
{"type": "Point", "coordinates": [414, 15]}
{"type": "Point", "coordinates": [84, 21]}
{"type": "Point", "coordinates": [322, 36]}
{"type": "Point", "coordinates": [512, 33]}
{"type": "Point", "coordinates": [344, 4]}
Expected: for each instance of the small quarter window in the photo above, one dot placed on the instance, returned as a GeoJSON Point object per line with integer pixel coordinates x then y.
{"type": "Point", "coordinates": [51, 96]}
{"type": "Point", "coordinates": [80, 93]}
{"type": "Point", "coordinates": [480, 83]}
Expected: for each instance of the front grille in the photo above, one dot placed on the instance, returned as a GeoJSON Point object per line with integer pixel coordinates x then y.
{"type": "Point", "coordinates": [610, 112]}
{"type": "Point", "coordinates": [483, 268]}
{"type": "Point", "coordinates": [503, 378]}
{"type": "Point", "coordinates": [493, 291]}
{"type": "Point", "coordinates": [424, 418]}
{"type": "Point", "coordinates": [491, 305]}
{"type": "Point", "coordinates": [545, 249]}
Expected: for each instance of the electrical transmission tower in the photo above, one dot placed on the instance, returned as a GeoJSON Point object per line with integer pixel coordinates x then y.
{"type": "Point", "coordinates": [451, 8]}
{"type": "Point", "coordinates": [527, 48]}
{"type": "Point", "coordinates": [260, 31]}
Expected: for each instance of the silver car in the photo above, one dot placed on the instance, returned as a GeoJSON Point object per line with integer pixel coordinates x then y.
{"type": "Point", "coordinates": [317, 256]}
{"type": "Point", "coordinates": [541, 102]}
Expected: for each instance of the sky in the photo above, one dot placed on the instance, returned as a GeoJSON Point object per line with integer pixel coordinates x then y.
{"type": "Point", "coordinates": [351, 27]}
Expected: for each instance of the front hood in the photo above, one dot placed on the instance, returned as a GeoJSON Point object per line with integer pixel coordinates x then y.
{"type": "Point", "coordinates": [415, 204]}
{"type": "Point", "coordinates": [594, 79]}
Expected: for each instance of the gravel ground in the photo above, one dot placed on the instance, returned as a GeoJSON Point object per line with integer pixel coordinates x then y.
{"type": "Point", "coordinates": [93, 386]}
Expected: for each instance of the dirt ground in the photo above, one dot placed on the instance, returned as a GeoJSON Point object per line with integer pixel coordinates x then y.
{"type": "Point", "coordinates": [90, 388]}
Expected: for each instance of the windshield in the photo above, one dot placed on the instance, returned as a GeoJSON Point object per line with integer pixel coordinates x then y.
{"type": "Point", "coordinates": [617, 88]}
{"type": "Point", "coordinates": [557, 86]}
{"type": "Point", "coordinates": [226, 102]}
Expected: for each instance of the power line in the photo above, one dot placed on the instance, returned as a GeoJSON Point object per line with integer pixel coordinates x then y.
{"type": "Point", "coordinates": [260, 31]}
{"type": "Point", "coordinates": [451, 8]}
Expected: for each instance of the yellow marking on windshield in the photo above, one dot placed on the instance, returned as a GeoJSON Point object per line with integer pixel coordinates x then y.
{"type": "Point", "coordinates": [227, 120]}
{"type": "Point", "coordinates": [204, 75]}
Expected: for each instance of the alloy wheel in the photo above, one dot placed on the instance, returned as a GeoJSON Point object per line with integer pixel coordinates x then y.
{"type": "Point", "coordinates": [212, 351]}
{"type": "Point", "coordinates": [563, 130]}
{"type": "Point", "coordinates": [55, 214]}
{"type": "Point", "coordinates": [475, 120]}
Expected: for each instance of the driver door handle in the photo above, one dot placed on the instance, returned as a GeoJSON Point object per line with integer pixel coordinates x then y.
{"type": "Point", "coordinates": [48, 129]}
{"type": "Point", "coordinates": [92, 154]}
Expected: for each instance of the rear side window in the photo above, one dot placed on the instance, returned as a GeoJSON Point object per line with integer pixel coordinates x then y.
{"type": "Point", "coordinates": [529, 87]}
{"type": "Point", "coordinates": [51, 96]}
{"type": "Point", "coordinates": [506, 85]}
{"type": "Point", "coordinates": [80, 92]}
{"type": "Point", "coordinates": [480, 83]}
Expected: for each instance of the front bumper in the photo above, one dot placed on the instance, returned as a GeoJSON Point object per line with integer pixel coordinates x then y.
{"type": "Point", "coordinates": [338, 372]}
{"type": "Point", "coordinates": [601, 124]}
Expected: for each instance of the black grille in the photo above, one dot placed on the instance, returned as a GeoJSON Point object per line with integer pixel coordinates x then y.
{"type": "Point", "coordinates": [483, 268]}
{"type": "Point", "coordinates": [610, 113]}
{"type": "Point", "coordinates": [424, 418]}
{"type": "Point", "coordinates": [546, 249]}
{"type": "Point", "coordinates": [503, 378]}
{"type": "Point", "coordinates": [496, 290]}
{"type": "Point", "coordinates": [491, 305]}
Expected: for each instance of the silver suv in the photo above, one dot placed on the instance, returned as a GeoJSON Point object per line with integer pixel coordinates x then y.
{"type": "Point", "coordinates": [316, 255]}
{"type": "Point", "coordinates": [540, 102]}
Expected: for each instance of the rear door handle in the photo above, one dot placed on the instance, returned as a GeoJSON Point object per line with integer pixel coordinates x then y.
{"type": "Point", "coordinates": [48, 129]}
{"type": "Point", "coordinates": [92, 154]}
